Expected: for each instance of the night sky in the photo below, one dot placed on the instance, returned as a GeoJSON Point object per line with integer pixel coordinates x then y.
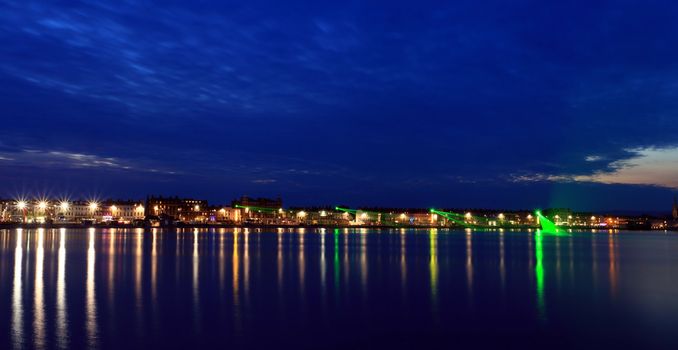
{"type": "Point", "coordinates": [498, 104]}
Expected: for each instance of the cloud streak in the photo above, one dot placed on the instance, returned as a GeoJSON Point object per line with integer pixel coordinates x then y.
{"type": "Point", "coordinates": [648, 166]}
{"type": "Point", "coordinates": [72, 160]}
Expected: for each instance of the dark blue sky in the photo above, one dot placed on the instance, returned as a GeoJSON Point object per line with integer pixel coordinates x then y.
{"type": "Point", "coordinates": [512, 104]}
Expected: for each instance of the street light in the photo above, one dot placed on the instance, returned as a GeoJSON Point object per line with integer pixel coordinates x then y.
{"type": "Point", "coordinates": [21, 205]}
{"type": "Point", "coordinates": [93, 206]}
{"type": "Point", "coordinates": [42, 205]}
{"type": "Point", "coordinates": [63, 206]}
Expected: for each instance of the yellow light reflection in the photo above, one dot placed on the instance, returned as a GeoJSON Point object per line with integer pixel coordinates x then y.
{"type": "Point", "coordinates": [433, 267]}
{"type": "Point", "coordinates": [236, 284]}
{"type": "Point", "coordinates": [138, 265]}
{"type": "Point", "coordinates": [154, 267]}
{"type": "Point", "coordinates": [246, 264]}
{"type": "Point", "coordinates": [222, 262]}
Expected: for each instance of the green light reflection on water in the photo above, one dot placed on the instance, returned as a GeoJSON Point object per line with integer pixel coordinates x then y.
{"type": "Point", "coordinates": [539, 274]}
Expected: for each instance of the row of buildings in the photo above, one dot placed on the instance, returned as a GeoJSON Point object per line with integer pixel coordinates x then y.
{"type": "Point", "coordinates": [159, 210]}
{"type": "Point", "coordinates": [153, 209]}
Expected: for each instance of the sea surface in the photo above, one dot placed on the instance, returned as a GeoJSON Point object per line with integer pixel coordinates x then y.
{"type": "Point", "coordinates": [336, 288]}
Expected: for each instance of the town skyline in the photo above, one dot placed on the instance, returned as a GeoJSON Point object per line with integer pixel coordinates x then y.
{"type": "Point", "coordinates": [382, 103]}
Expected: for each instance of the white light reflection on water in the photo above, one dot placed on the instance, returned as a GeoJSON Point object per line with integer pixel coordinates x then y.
{"type": "Point", "coordinates": [61, 308]}
{"type": "Point", "coordinates": [90, 297]}
{"type": "Point", "coordinates": [17, 302]}
{"type": "Point", "coordinates": [39, 294]}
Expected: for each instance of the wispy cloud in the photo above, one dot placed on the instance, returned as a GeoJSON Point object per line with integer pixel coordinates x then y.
{"type": "Point", "coordinates": [648, 166]}
{"type": "Point", "coordinates": [593, 158]}
{"type": "Point", "coordinates": [74, 160]}
{"type": "Point", "coordinates": [264, 181]}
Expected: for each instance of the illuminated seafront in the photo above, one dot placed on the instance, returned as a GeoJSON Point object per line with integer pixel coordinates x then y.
{"type": "Point", "coordinates": [263, 212]}
{"type": "Point", "coordinates": [335, 288]}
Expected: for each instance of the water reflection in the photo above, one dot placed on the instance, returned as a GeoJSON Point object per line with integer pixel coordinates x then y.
{"type": "Point", "coordinates": [302, 263]}
{"type": "Point", "coordinates": [280, 262]}
{"type": "Point", "coordinates": [90, 296]}
{"type": "Point", "coordinates": [469, 261]}
{"type": "Point", "coordinates": [433, 266]}
{"type": "Point", "coordinates": [363, 260]}
{"type": "Point", "coordinates": [17, 303]}
{"type": "Point", "coordinates": [246, 264]}
{"type": "Point", "coordinates": [154, 267]}
{"type": "Point", "coordinates": [403, 262]}
{"type": "Point", "coordinates": [111, 266]}
{"type": "Point", "coordinates": [414, 278]}
{"type": "Point", "coordinates": [539, 274]}
{"type": "Point", "coordinates": [38, 294]}
{"type": "Point", "coordinates": [236, 284]}
{"type": "Point", "coordinates": [138, 266]}
{"type": "Point", "coordinates": [323, 264]}
{"type": "Point", "coordinates": [612, 247]}
{"type": "Point", "coordinates": [502, 262]}
{"type": "Point", "coordinates": [61, 310]}
{"type": "Point", "coordinates": [196, 281]}
{"type": "Point", "coordinates": [337, 270]}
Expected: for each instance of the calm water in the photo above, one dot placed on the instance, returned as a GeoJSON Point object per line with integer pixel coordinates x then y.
{"type": "Point", "coordinates": [318, 288]}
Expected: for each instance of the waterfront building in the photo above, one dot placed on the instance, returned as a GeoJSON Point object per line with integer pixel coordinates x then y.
{"type": "Point", "coordinates": [6, 210]}
{"type": "Point", "coordinates": [246, 201]}
{"type": "Point", "coordinates": [122, 211]}
{"type": "Point", "coordinates": [260, 210]}
{"type": "Point", "coordinates": [226, 214]}
{"type": "Point", "coordinates": [324, 216]}
{"type": "Point", "coordinates": [80, 211]}
{"type": "Point", "coordinates": [179, 209]}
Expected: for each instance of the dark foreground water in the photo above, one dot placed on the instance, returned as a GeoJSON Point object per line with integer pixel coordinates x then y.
{"type": "Point", "coordinates": [326, 288]}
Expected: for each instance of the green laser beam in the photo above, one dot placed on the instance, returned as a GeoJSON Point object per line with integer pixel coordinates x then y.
{"type": "Point", "coordinates": [548, 226]}
{"type": "Point", "coordinates": [257, 208]}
